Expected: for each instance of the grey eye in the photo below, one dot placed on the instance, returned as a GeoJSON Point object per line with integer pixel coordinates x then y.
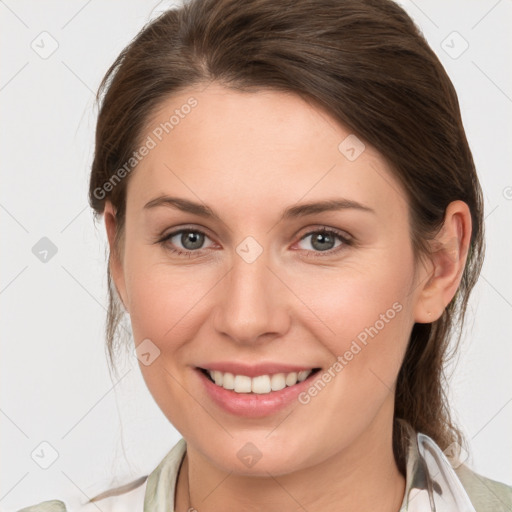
{"type": "Point", "coordinates": [189, 240]}
{"type": "Point", "coordinates": [322, 240]}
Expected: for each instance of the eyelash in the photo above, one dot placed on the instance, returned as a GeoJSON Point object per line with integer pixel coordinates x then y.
{"type": "Point", "coordinates": [326, 231]}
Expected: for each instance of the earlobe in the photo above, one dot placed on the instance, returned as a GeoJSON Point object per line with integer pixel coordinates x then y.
{"type": "Point", "coordinates": [115, 263]}
{"type": "Point", "coordinates": [448, 257]}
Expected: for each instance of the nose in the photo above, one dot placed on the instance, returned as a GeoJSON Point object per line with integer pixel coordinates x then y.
{"type": "Point", "coordinates": [253, 304]}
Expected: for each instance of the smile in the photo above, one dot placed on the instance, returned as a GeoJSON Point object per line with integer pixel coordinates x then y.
{"type": "Point", "coordinates": [261, 384]}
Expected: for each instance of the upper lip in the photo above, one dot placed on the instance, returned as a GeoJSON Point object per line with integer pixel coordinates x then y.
{"type": "Point", "coordinates": [253, 370]}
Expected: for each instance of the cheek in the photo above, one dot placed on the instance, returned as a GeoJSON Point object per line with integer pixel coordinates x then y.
{"type": "Point", "coordinates": [157, 302]}
{"type": "Point", "coordinates": [366, 316]}
{"type": "Point", "coordinates": [166, 307]}
{"type": "Point", "coordinates": [369, 319]}
{"type": "Point", "coordinates": [165, 300]}
{"type": "Point", "coordinates": [366, 310]}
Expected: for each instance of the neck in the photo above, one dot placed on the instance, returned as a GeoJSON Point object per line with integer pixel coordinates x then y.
{"type": "Point", "coordinates": [362, 477]}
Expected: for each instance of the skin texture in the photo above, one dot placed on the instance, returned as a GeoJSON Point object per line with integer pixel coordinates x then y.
{"type": "Point", "coordinates": [249, 156]}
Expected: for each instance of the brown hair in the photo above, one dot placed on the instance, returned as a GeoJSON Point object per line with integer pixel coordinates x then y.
{"type": "Point", "coordinates": [369, 65]}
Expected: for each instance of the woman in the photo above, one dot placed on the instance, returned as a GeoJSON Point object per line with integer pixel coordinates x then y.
{"type": "Point", "coordinates": [234, 140]}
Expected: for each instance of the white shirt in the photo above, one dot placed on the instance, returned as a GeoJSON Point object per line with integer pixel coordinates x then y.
{"type": "Point", "coordinates": [432, 484]}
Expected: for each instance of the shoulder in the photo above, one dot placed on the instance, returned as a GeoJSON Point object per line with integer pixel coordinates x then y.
{"type": "Point", "coordinates": [46, 506]}
{"type": "Point", "coordinates": [126, 497]}
{"type": "Point", "coordinates": [485, 494]}
{"type": "Point", "coordinates": [159, 485]}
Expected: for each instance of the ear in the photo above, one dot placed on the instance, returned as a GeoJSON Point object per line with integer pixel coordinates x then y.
{"type": "Point", "coordinates": [448, 257]}
{"type": "Point", "coordinates": [115, 260]}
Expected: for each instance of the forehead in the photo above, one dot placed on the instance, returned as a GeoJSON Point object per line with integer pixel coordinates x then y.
{"type": "Point", "coordinates": [248, 151]}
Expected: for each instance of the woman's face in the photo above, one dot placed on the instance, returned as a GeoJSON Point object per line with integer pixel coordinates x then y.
{"type": "Point", "coordinates": [263, 288]}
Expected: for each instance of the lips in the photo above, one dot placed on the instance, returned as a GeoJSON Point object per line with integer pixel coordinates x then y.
{"type": "Point", "coordinates": [254, 404]}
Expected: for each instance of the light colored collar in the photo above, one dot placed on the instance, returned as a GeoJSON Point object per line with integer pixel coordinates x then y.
{"type": "Point", "coordinates": [431, 483]}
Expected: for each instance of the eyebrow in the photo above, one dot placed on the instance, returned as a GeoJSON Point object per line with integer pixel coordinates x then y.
{"type": "Point", "coordinates": [300, 210]}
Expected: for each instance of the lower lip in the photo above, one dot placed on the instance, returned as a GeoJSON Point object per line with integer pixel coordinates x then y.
{"type": "Point", "coordinates": [254, 405]}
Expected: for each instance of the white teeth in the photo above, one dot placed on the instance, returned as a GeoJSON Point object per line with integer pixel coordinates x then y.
{"type": "Point", "coordinates": [228, 381]}
{"type": "Point", "coordinates": [303, 375]}
{"type": "Point", "coordinates": [242, 384]}
{"type": "Point", "coordinates": [261, 384]}
{"type": "Point", "coordinates": [291, 379]}
{"type": "Point", "coordinates": [218, 377]}
{"type": "Point", "coordinates": [278, 381]}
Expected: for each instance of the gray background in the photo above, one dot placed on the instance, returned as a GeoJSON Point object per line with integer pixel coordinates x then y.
{"type": "Point", "coordinates": [56, 387]}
